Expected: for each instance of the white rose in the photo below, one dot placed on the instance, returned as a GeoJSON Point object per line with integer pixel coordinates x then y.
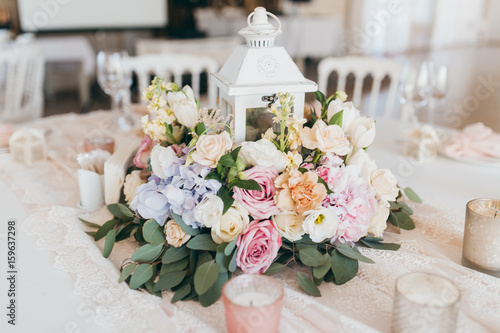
{"type": "Point", "coordinates": [320, 224]}
{"type": "Point", "coordinates": [263, 153]}
{"type": "Point", "coordinates": [327, 138]}
{"type": "Point", "coordinates": [209, 210]}
{"type": "Point", "coordinates": [230, 224]}
{"type": "Point", "coordinates": [363, 162]}
{"type": "Point", "coordinates": [186, 112]}
{"type": "Point", "coordinates": [175, 235]}
{"type": "Point", "coordinates": [162, 158]}
{"type": "Point", "coordinates": [362, 132]}
{"type": "Point", "coordinates": [348, 116]}
{"type": "Point", "coordinates": [211, 147]}
{"type": "Point", "coordinates": [385, 184]}
{"type": "Point", "coordinates": [379, 221]}
{"type": "Point", "coordinates": [175, 97]}
{"type": "Point", "coordinates": [132, 182]}
{"type": "Point", "coordinates": [289, 225]}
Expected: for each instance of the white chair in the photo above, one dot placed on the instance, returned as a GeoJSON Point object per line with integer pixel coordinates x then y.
{"type": "Point", "coordinates": [168, 65]}
{"type": "Point", "coordinates": [21, 83]}
{"type": "Point", "coordinates": [361, 67]}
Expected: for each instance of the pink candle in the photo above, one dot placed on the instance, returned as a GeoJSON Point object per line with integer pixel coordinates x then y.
{"type": "Point", "coordinates": [253, 303]}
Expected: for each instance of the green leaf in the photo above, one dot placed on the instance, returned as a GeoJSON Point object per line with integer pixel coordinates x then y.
{"type": "Point", "coordinates": [393, 219]}
{"type": "Point", "coordinates": [126, 272]}
{"type": "Point", "coordinates": [175, 266]}
{"type": "Point", "coordinates": [169, 280]}
{"type": "Point", "coordinates": [174, 254]}
{"type": "Point", "coordinates": [232, 263]}
{"type": "Point", "coordinates": [249, 184]}
{"type": "Point", "coordinates": [152, 232]}
{"type": "Point", "coordinates": [200, 128]}
{"type": "Point", "coordinates": [307, 285]}
{"type": "Point", "coordinates": [181, 293]}
{"type": "Point", "coordinates": [141, 275]}
{"type": "Point", "coordinates": [147, 252]}
{"type": "Point", "coordinates": [230, 247]}
{"type": "Point", "coordinates": [186, 228]}
{"type": "Point", "coordinates": [220, 258]}
{"type": "Point", "coordinates": [406, 208]}
{"type": "Point", "coordinates": [91, 233]}
{"type": "Point", "coordinates": [343, 268]}
{"type": "Point", "coordinates": [203, 257]}
{"type": "Point", "coordinates": [121, 211]}
{"type": "Point", "coordinates": [125, 210]}
{"type": "Point", "coordinates": [213, 294]}
{"type": "Point", "coordinates": [412, 195]}
{"type": "Point", "coordinates": [322, 181]}
{"type": "Point", "coordinates": [320, 271]}
{"type": "Point", "coordinates": [90, 224]}
{"type": "Point", "coordinates": [213, 175]}
{"type": "Point", "coordinates": [353, 253]}
{"type": "Point", "coordinates": [337, 119]}
{"type": "Point", "coordinates": [227, 198]}
{"type": "Point", "coordinates": [106, 227]}
{"type": "Point", "coordinates": [110, 242]}
{"type": "Point", "coordinates": [235, 153]}
{"type": "Point", "coordinates": [311, 257]}
{"type": "Point", "coordinates": [274, 268]}
{"type": "Point", "coordinates": [124, 232]}
{"type": "Point", "coordinates": [320, 97]}
{"type": "Point", "coordinates": [205, 277]}
{"type": "Point", "coordinates": [380, 246]}
{"type": "Point", "coordinates": [150, 286]}
{"type": "Point", "coordinates": [404, 220]}
{"type": "Point", "coordinates": [227, 160]}
{"type": "Point", "coordinates": [202, 242]}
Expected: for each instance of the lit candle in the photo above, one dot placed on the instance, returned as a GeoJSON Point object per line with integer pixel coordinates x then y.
{"type": "Point", "coordinates": [253, 303]}
{"type": "Point", "coordinates": [481, 248]}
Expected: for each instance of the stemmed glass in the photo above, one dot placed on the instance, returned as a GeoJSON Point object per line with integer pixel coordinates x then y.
{"type": "Point", "coordinates": [115, 78]}
{"type": "Point", "coordinates": [412, 92]}
{"type": "Point", "coordinates": [438, 92]}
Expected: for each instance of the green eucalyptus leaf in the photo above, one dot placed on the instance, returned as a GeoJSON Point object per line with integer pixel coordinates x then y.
{"type": "Point", "coordinates": [380, 246]}
{"type": "Point", "coordinates": [404, 220]}
{"type": "Point", "coordinates": [205, 277]}
{"type": "Point", "coordinates": [91, 233]}
{"type": "Point", "coordinates": [174, 266]}
{"type": "Point", "coordinates": [174, 254]}
{"type": "Point", "coordinates": [169, 280]}
{"type": "Point", "coordinates": [213, 294]}
{"type": "Point", "coordinates": [203, 257]}
{"type": "Point", "coordinates": [274, 268]}
{"type": "Point", "coordinates": [106, 227]}
{"type": "Point", "coordinates": [394, 219]}
{"type": "Point", "coordinates": [406, 208]}
{"type": "Point", "coordinates": [311, 257]}
{"type": "Point", "coordinates": [90, 224]}
{"type": "Point", "coordinates": [181, 293]}
{"type": "Point", "coordinates": [353, 253]}
{"type": "Point", "coordinates": [220, 258]}
{"type": "Point", "coordinates": [232, 263]}
{"type": "Point", "coordinates": [126, 272]}
{"type": "Point", "coordinates": [186, 228]}
{"type": "Point", "coordinates": [320, 271]}
{"type": "Point", "coordinates": [109, 243]}
{"type": "Point", "coordinates": [202, 242]}
{"type": "Point", "coordinates": [142, 274]}
{"type": "Point", "coordinates": [307, 285]}
{"type": "Point", "coordinates": [412, 195]}
{"type": "Point", "coordinates": [230, 247]}
{"type": "Point", "coordinates": [147, 252]}
{"type": "Point", "coordinates": [343, 268]}
{"type": "Point", "coordinates": [153, 232]}
{"type": "Point", "coordinates": [121, 211]}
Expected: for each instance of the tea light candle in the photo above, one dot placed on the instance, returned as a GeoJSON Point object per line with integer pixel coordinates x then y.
{"type": "Point", "coordinates": [425, 303]}
{"type": "Point", "coordinates": [253, 303]}
{"type": "Point", "coordinates": [481, 248]}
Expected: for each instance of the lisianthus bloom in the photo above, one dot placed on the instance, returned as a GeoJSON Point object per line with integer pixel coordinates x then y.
{"type": "Point", "coordinates": [327, 138]}
{"type": "Point", "coordinates": [298, 191]}
{"type": "Point", "coordinates": [260, 204]}
{"type": "Point", "coordinates": [143, 153]}
{"type": "Point", "coordinates": [320, 224]}
{"type": "Point", "coordinates": [174, 234]}
{"type": "Point", "coordinates": [257, 247]}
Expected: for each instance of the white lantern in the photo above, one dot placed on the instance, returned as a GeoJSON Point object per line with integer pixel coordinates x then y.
{"type": "Point", "coordinates": [255, 72]}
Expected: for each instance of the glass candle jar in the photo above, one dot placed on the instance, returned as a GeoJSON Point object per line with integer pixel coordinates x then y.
{"type": "Point", "coordinates": [481, 248]}
{"type": "Point", "coordinates": [253, 303]}
{"type": "Point", "coordinates": [102, 142]}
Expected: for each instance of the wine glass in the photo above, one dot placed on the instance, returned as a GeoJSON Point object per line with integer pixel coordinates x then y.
{"type": "Point", "coordinates": [115, 78]}
{"type": "Point", "coordinates": [439, 90]}
{"type": "Point", "coordinates": [412, 92]}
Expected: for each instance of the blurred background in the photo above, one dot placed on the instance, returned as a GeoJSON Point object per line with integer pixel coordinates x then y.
{"type": "Point", "coordinates": [462, 35]}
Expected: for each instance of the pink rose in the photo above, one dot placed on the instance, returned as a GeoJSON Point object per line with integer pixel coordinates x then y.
{"type": "Point", "coordinates": [143, 153]}
{"type": "Point", "coordinates": [260, 204]}
{"type": "Point", "coordinates": [258, 246]}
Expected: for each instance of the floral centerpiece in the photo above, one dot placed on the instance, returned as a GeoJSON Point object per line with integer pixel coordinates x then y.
{"type": "Point", "coordinates": [201, 206]}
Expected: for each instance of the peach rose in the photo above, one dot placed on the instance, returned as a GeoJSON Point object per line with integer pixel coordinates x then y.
{"type": "Point", "coordinates": [175, 235]}
{"type": "Point", "coordinates": [210, 148]}
{"type": "Point", "coordinates": [385, 184]}
{"type": "Point", "coordinates": [327, 138]}
{"type": "Point", "coordinates": [298, 191]}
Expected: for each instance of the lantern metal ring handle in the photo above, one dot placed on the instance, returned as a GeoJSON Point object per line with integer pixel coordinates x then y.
{"type": "Point", "coordinates": [260, 32]}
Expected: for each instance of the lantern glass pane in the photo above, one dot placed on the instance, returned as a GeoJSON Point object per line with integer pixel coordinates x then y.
{"type": "Point", "coordinates": [259, 120]}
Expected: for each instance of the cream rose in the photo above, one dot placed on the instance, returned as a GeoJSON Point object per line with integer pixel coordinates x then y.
{"type": "Point", "coordinates": [362, 132]}
{"type": "Point", "coordinates": [230, 224]}
{"type": "Point", "coordinates": [162, 158]}
{"type": "Point", "coordinates": [209, 211]}
{"type": "Point", "coordinates": [132, 182]}
{"type": "Point", "coordinates": [320, 224]}
{"type": "Point", "coordinates": [379, 221]}
{"type": "Point", "coordinates": [263, 153]}
{"type": "Point", "coordinates": [175, 235]}
{"type": "Point", "coordinates": [211, 147]}
{"type": "Point", "coordinates": [186, 112]}
{"type": "Point", "coordinates": [363, 161]}
{"type": "Point", "coordinates": [385, 184]}
{"type": "Point", "coordinates": [329, 139]}
{"type": "Point", "coordinates": [289, 225]}
{"type": "Point", "coordinates": [348, 116]}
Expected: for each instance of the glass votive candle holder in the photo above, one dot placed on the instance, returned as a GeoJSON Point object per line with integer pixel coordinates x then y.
{"type": "Point", "coordinates": [99, 142]}
{"type": "Point", "coordinates": [481, 247]}
{"type": "Point", "coordinates": [425, 303]}
{"type": "Point", "coordinates": [253, 303]}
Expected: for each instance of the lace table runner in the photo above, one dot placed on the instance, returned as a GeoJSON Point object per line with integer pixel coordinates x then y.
{"type": "Point", "coordinates": [50, 192]}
